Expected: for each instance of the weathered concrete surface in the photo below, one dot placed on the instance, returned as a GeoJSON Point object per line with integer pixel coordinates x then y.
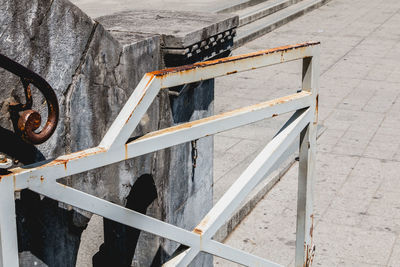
{"type": "Point", "coordinates": [107, 77]}
{"type": "Point", "coordinates": [177, 29]}
{"type": "Point", "coordinates": [26, 27]}
{"type": "Point", "coordinates": [95, 8]}
{"type": "Point", "coordinates": [38, 35]}
{"type": "Point", "coordinates": [92, 74]}
{"type": "Point", "coordinates": [105, 80]}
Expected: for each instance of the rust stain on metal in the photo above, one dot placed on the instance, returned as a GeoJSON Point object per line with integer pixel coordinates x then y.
{"type": "Point", "coordinates": [126, 151]}
{"type": "Point", "coordinates": [190, 67]}
{"type": "Point", "coordinates": [226, 114]}
{"type": "Point", "coordinates": [306, 259]}
{"type": "Point", "coordinates": [198, 231]}
{"type": "Point", "coordinates": [83, 154]}
{"type": "Point", "coordinates": [274, 115]}
{"type": "Point", "coordinates": [232, 72]}
{"type": "Point", "coordinates": [312, 225]}
{"type": "Point", "coordinates": [310, 254]}
{"type": "Point", "coordinates": [61, 160]}
{"type": "Point", "coordinates": [310, 248]}
{"type": "Point", "coordinates": [41, 178]}
{"type": "Point", "coordinates": [316, 108]}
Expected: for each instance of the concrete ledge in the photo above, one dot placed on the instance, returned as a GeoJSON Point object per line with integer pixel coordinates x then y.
{"type": "Point", "coordinates": [178, 29]}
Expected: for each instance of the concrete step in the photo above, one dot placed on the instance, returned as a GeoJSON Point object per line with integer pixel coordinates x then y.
{"type": "Point", "coordinates": [253, 13]}
{"type": "Point", "coordinates": [262, 26]}
{"type": "Point", "coordinates": [239, 5]}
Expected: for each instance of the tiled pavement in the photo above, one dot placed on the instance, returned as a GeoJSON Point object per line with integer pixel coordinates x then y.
{"type": "Point", "coordinates": [357, 190]}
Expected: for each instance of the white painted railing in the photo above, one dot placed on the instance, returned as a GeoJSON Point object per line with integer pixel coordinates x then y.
{"type": "Point", "coordinates": [41, 178]}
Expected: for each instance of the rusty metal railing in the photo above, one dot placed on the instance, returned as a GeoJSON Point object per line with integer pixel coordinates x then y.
{"type": "Point", "coordinates": [30, 120]}
{"type": "Point", "coordinates": [115, 147]}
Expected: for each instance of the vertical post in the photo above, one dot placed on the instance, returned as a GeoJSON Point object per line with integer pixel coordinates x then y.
{"type": "Point", "coordinates": [8, 226]}
{"type": "Point", "coordinates": [307, 152]}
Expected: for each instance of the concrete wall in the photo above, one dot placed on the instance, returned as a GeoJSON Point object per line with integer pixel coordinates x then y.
{"type": "Point", "coordinates": [93, 71]}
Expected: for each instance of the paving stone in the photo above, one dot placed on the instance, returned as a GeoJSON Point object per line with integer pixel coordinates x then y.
{"type": "Point", "coordinates": [341, 217]}
{"type": "Point", "coordinates": [385, 204]}
{"type": "Point", "coordinates": [351, 263]}
{"type": "Point", "coordinates": [321, 259]}
{"type": "Point", "coordinates": [244, 150]}
{"type": "Point", "coordinates": [329, 139]}
{"type": "Point", "coordinates": [352, 143]}
{"type": "Point", "coordinates": [383, 146]}
{"type": "Point", "coordinates": [356, 202]}
{"type": "Point", "coordinates": [379, 223]}
{"type": "Point", "coordinates": [372, 247]}
{"type": "Point", "coordinates": [223, 143]}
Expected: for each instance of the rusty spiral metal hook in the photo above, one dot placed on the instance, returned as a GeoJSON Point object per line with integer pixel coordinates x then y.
{"type": "Point", "coordinates": [30, 120]}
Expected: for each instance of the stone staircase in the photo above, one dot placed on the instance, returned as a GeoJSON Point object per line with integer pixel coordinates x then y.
{"type": "Point", "coordinates": [258, 17]}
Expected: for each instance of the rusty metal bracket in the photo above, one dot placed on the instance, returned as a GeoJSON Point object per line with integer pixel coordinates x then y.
{"type": "Point", "coordinates": [30, 120]}
{"type": "Point", "coordinates": [5, 163]}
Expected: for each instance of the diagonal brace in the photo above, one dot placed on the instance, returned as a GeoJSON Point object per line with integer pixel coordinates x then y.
{"type": "Point", "coordinates": [254, 174]}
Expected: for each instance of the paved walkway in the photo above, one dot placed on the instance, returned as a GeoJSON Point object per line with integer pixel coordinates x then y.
{"type": "Point", "coordinates": [357, 190]}
{"type": "Point", "coordinates": [357, 203]}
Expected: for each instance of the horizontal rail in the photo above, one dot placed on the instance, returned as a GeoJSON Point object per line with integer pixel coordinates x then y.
{"type": "Point", "coordinates": [238, 117]}
{"type": "Point", "coordinates": [226, 66]}
{"type": "Point", "coordinates": [96, 157]}
{"type": "Point", "coordinates": [152, 82]}
{"type": "Point", "coordinates": [143, 222]}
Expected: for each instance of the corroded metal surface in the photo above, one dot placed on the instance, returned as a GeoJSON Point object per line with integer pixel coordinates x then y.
{"type": "Point", "coordinates": [30, 120]}
{"type": "Point", "coordinates": [281, 49]}
{"type": "Point", "coordinates": [5, 162]}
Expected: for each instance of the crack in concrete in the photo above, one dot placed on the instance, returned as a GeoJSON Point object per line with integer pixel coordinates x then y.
{"type": "Point", "coordinates": [115, 69]}
{"type": "Point", "coordinates": [70, 90]}
{"type": "Point", "coordinates": [40, 22]}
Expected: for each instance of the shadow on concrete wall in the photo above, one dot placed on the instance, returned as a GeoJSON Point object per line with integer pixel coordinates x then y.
{"type": "Point", "coordinates": [120, 240]}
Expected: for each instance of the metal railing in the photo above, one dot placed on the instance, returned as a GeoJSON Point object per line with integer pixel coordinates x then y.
{"type": "Point", "coordinates": [115, 147]}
